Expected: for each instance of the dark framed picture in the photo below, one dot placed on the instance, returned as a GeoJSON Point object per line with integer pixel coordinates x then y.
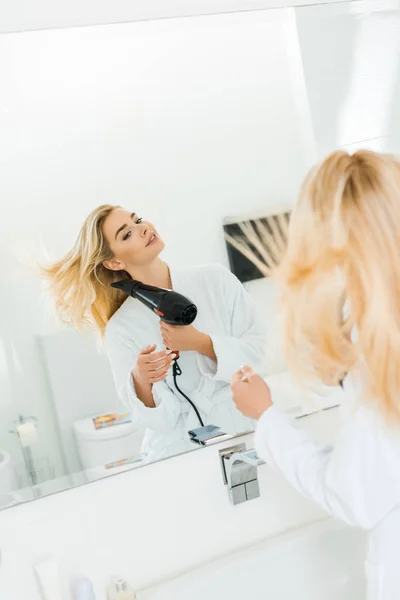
{"type": "Point", "coordinates": [256, 245]}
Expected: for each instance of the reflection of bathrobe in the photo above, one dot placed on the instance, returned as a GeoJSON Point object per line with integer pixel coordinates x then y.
{"type": "Point", "coordinates": [226, 313]}
{"type": "Point", "coordinates": [357, 480]}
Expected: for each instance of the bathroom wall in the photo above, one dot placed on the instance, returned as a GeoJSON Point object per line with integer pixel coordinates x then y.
{"type": "Point", "coordinates": [83, 125]}
{"type": "Point", "coordinates": [45, 14]}
{"type": "Point", "coordinates": [353, 87]}
{"type": "Point", "coordinates": [151, 524]}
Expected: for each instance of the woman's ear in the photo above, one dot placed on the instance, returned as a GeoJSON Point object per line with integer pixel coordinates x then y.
{"type": "Point", "coordinates": [114, 265]}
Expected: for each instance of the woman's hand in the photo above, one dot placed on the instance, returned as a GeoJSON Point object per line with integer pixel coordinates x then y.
{"type": "Point", "coordinates": [250, 393]}
{"type": "Point", "coordinates": [152, 366]}
{"type": "Point", "coordinates": [179, 337]}
{"type": "Point", "coordinates": [186, 337]}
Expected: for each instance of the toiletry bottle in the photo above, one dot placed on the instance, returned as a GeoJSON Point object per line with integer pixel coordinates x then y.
{"type": "Point", "coordinates": [82, 589]}
{"type": "Point", "coordinates": [48, 576]}
{"type": "Point", "coordinates": [119, 589]}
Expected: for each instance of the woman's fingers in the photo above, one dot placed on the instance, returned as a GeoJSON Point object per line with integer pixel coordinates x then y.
{"type": "Point", "coordinates": [158, 356]}
{"type": "Point", "coordinates": [157, 378]}
{"type": "Point", "coordinates": [237, 377]}
{"type": "Point", "coordinates": [148, 350]}
{"type": "Point", "coordinates": [152, 366]}
{"type": "Point", "coordinates": [150, 357]}
{"type": "Point", "coordinates": [160, 365]}
{"type": "Point", "coordinates": [155, 364]}
{"type": "Point", "coordinates": [243, 375]}
{"type": "Point", "coordinates": [247, 372]}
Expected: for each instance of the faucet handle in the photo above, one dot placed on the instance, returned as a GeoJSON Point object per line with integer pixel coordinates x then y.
{"type": "Point", "coordinates": [239, 472]}
{"type": "Point", "coordinates": [226, 454]}
{"type": "Point", "coordinates": [249, 456]}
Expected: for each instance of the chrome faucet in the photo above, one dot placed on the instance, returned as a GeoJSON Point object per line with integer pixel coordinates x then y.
{"type": "Point", "coordinates": [239, 472]}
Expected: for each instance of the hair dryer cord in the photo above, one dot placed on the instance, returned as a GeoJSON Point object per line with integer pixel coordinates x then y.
{"type": "Point", "coordinates": [176, 371]}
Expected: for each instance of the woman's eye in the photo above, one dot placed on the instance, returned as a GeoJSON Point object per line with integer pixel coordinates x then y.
{"type": "Point", "coordinates": [128, 234]}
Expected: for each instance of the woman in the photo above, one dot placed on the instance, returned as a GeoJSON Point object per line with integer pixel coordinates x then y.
{"type": "Point", "coordinates": [344, 248]}
{"type": "Point", "coordinates": [115, 244]}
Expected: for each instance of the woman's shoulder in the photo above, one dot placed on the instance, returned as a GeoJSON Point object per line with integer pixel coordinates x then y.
{"type": "Point", "coordinates": [359, 411]}
{"type": "Point", "coordinates": [206, 270]}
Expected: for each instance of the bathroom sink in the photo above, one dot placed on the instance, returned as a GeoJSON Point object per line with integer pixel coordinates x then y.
{"type": "Point", "coordinates": [321, 561]}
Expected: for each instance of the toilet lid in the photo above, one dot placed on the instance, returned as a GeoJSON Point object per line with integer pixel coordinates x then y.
{"type": "Point", "coordinates": [85, 429]}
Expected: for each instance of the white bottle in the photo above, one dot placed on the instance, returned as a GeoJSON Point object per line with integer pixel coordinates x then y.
{"type": "Point", "coordinates": [119, 589]}
{"type": "Point", "coordinates": [82, 588]}
{"type": "Point", "coordinates": [47, 573]}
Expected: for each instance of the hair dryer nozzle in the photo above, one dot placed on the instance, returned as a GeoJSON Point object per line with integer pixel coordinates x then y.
{"type": "Point", "coordinates": [126, 285]}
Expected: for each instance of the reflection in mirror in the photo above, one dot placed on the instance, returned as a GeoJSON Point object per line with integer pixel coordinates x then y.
{"type": "Point", "coordinates": [153, 149]}
{"type": "Point", "coordinates": [159, 323]}
{"type": "Point", "coordinates": [108, 127]}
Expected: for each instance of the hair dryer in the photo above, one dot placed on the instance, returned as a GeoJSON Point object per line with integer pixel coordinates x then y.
{"type": "Point", "coordinates": [171, 307]}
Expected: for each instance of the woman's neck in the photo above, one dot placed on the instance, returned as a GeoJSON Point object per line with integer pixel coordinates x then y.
{"type": "Point", "coordinates": [157, 274]}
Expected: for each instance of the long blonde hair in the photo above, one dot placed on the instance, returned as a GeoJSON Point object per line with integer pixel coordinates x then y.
{"type": "Point", "coordinates": [341, 275]}
{"type": "Point", "coordinates": [80, 284]}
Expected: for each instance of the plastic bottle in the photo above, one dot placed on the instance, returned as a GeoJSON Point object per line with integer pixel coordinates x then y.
{"type": "Point", "coordinates": [82, 588]}
{"type": "Point", "coordinates": [119, 589]}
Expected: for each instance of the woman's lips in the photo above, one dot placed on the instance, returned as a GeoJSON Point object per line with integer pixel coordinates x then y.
{"type": "Point", "coordinates": [153, 239]}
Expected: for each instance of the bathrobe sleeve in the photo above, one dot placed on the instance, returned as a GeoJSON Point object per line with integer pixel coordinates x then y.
{"type": "Point", "coordinates": [351, 480]}
{"type": "Point", "coordinates": [244, 340]}
{"type": "Point", "coordinates": [122, 353]}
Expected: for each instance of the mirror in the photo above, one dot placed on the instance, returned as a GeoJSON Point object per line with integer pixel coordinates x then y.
{"type": "Point", "coordinates": [203, 128]}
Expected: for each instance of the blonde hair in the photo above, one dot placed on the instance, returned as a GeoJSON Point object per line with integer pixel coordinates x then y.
{"type": "Point", "coordinates": [80, 284]}
{"type": "Point", "coordinates": [343, 256]}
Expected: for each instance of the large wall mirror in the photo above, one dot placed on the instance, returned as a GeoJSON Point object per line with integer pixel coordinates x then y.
{"type": "Point", "coordinates": [201, 130]}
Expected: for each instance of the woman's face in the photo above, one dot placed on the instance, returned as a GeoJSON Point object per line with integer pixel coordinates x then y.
{"type": "Point", "coordinates": [133, 242]}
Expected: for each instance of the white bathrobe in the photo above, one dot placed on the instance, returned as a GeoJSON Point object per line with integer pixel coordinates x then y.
{"type": "Point", "coordinates": [227, 313]}
{"type": "Point", "coordinates": [357, 480]}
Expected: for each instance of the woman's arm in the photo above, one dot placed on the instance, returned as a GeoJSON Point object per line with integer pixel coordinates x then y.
{"type": "Point", "coordinates": [356, 480]}
{"type": "Point", "coordinates": [144, 391]}
{"type": "Point", "coordinates": [205, 346]}
{"type": "Point", "coordinates": [349, 480]}
{"type": "Point", "coordinates": [155, 406]}
{"type": "Point", "coordinates": [187, 337]}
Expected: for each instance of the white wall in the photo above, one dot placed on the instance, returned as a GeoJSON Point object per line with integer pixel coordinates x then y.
{"type": "Point", "coordinates": [148, 116]}
{"type": "Point", "coordinates": [353, 86]}
{"type": "Point", "coordinates": [77, 391]}
{"type": "Point", "coordinates": [149, 525]}
{"type": "Point", "coordinates": [20, 15]}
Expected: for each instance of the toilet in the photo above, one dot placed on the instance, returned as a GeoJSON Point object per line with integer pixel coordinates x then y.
{"type": "Point", "coordinates": [97, 447]}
